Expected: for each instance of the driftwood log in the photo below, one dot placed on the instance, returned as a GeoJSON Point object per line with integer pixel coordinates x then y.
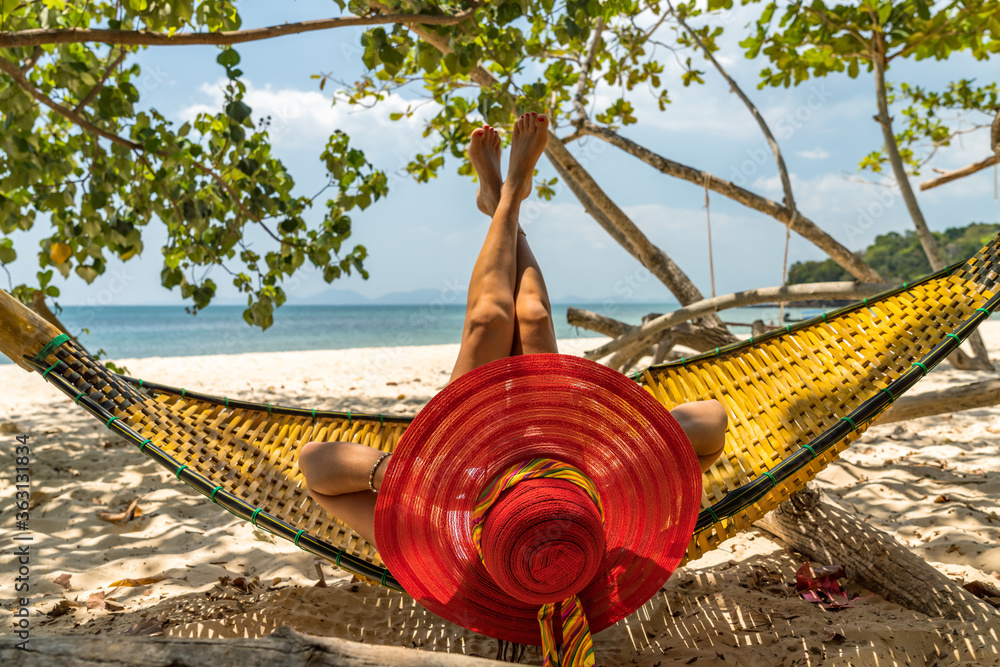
{"type": "Point", "coordinates": [808, 522]}
{"type": "Point", "coordinates": [966, 397]}
{"type": "Point", "coordinates": [698, 335]}
{"type": "Point", "coordinates": [284, 648]}
{"type": "Point", "coordinates": [651, 330]}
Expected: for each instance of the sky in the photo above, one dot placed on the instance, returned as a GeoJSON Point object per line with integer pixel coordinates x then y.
{"type": "Point", "coordinates": [427, 236]}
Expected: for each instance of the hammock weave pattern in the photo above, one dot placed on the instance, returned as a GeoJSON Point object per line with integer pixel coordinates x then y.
{"type": "Point", "coordinates": [795, 398]}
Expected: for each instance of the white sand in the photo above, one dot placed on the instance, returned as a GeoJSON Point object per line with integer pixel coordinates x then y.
{"type": "Point", "coordinates": [933, 483]}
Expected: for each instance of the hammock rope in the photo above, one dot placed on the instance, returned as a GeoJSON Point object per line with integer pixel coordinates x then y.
{"type": "Point", "coordinates": [796, 398]}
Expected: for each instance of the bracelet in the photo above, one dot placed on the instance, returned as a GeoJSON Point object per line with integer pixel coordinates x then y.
{"type": "Point", "coordinates": [371, 476]}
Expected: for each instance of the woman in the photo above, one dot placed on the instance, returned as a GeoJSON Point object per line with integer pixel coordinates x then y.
{"type": "Point", "coordinates": [507, 314]}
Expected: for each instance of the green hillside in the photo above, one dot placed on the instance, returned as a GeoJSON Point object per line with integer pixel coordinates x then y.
{"type": "Point", "coordinates": [899, 257]}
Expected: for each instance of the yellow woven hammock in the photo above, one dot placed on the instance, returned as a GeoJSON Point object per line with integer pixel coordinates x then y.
{"type": "Point", "coordinates": [795, 398]}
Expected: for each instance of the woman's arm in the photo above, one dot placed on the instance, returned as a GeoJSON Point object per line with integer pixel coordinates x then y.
{"type": "Point", "coordinates": [336, 468]}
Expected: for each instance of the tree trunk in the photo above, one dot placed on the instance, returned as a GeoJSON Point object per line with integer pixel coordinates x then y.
{"type": "Point", "coordinates": [959, 359]}
{"type": "Point", "coordinates": [39, 306]}
{"type": "Point", "coordinates": [952, 399]}
{"type": "Point", "coordinates": [800, 224]}
{"type": "Point", "coordinates": [284, 648]}
{"type": "Point", "coordinates": [810, 523]}
{"type": "Point", "coordinates": [927, 239]}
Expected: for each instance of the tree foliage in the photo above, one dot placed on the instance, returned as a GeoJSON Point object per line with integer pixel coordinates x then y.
{"type": "Point", "coordinates": [814, 39]}
{"type": "Point", "coordinates": [899, 257]}
{"type": "Point", "coordinates": [79, 151]}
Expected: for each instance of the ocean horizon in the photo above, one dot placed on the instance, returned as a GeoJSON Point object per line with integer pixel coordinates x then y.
{"type": "Point", "coordinates": [125, 332]}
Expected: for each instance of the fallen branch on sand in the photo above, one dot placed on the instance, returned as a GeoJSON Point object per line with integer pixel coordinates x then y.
{"type": "Point", "coordinates": [952, 399]}
{"type": "Point", "coordinates": [284, 648]}
{"type": "Point", "coordinates": [810, 523]}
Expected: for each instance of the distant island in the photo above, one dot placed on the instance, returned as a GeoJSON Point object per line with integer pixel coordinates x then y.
{"type": "Point", "coordinates": [900, 258]}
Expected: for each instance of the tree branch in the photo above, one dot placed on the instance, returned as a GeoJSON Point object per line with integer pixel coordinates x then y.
{"type": "Point", "coordinates": [76, 118]}
{"type": "Point", "coordinates": [32, 59]}
{"type": "Point", "coordinates": [788, 293]}
{"type": "Point", "coordinates": [38, 36]}
{"type": "Point", "coordinates": [88, 98]}
{"type": "Point", "coordinates": [8, 68]}
{"type": "Point", "coordinates": [968, 170]}
{"type": "Point", "coordinates": [801, 224]}
{"type": "Point", "coordinates": [786, 183]}
{"type": "Point", "coordinates": [588, 64]}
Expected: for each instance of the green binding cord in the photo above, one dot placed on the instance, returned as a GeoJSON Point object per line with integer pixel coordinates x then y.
{"type": "Point", "coordinates": [178, 473]}
{"type": "Point", "coordinates": [788, 328]}
{"type": "Point", "coordinates": [683, 361]}
{"type": "Point", "coordinates": [227, 402]}
{"type": "Point", "coordinates": [268, 409]}
{"type": "Point", "coordinates": [886, 390]}
{"type": "Point", "coordinates": [865, 302]}
{"type": "Point", "coordinates": [716, 351]}
{"type": "Point", "coordinates": [78, 396]}
{"type": "Point", "coordinates": [336, 561]}
{"type": "Point", "coordinates": [917, 363]}
{"type": "Point", "coordinates": [51, 367]}
{"type": "Point", "coordinates": [381, 420]}
{"type": "Point", "coordinates": [957, 339]}
{"type": "Point", "coordinates": [183, 392]}
{"type": "Point", "coordinates": [811, 450]}
{"type": "Point", "coordinates": [140, 383]}
{"type": "Point", "coordinates": [904, 285]}
{"type": "Point", "coordinates": [297, 536]}
{"type": "Point", "coordinates": [52, 345]}
{"type": "Point", "coordinates": [985, 311]}
{"type": "Point", "coordinates": [143, 444]}
{"type": "Point", "coordinates": [314, 414]}
{"type": "Point", "coordinates": [215, 491]}
{"type": "Point", "coordinates": [711, 512]}
{"type": "Point", "coordinates": [385, 573]}
{"type": "Point", "coordinates": [348, 417]}
{"type": "Point", "coordinates": [824, 317]}
{"type": "Point", "coordinates": [109, 422]}
{"type": "Point", "coordinates": [774, 482]}
{"type": "Point", "coordinates": [253, 517]}
{"type": "Point", "coordinates": [849, 421]}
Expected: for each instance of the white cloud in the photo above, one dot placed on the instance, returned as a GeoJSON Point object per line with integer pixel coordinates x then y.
{"type": "Point", "coordinates": [306, 118]}
{"type": "Point", "coordinates": [814, 154]}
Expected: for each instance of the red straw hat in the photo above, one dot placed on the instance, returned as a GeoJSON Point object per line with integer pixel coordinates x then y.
{"type": "Point", "coordinates": [587, 493]}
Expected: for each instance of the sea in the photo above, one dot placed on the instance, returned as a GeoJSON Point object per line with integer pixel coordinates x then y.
{"type": "Point", "coordinates": [123, 332]}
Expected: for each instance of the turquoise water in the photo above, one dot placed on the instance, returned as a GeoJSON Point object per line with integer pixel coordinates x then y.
{"type": "Point", "coordinates": [168, 331]}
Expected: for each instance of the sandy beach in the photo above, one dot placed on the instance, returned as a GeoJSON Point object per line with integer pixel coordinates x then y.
{"type": "Point", "coordinates": [932, 483]}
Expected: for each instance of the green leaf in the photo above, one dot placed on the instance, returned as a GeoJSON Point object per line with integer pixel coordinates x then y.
{"type": "Point", "coordinates": [238, 111]}
{"type": "Point", "coordinates": [228, 58]}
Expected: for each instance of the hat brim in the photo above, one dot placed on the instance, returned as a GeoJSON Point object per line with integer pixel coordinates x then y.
{"type": "Point", "coordinates": [521, 408]}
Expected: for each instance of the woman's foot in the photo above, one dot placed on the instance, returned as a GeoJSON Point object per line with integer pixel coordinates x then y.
{"type": "Point", "coordinates": [531, 132]}
{"type": "Point", "coordinates": [484, 153]}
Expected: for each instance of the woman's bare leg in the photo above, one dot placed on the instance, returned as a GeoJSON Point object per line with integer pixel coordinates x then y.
{"type": "Point", "coordinates": [489, 328]}
{"type": "Point", "coordinates": [534, 330]}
